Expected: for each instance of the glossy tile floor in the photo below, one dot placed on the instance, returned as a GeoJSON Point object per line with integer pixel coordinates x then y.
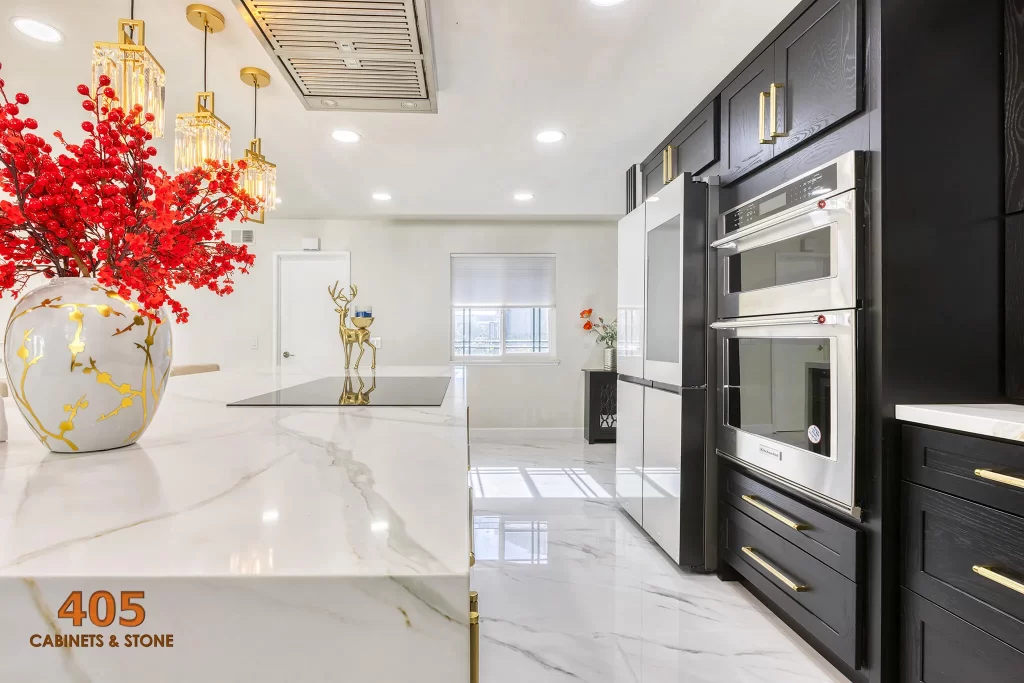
{"type": "Point", "coordinates": [571, 590]}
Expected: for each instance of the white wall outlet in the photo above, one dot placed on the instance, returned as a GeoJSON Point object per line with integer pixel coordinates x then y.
{"type": "Point", "coordinates": [375, 341]}
{"type": "Point", "coordinates": [255, 343]}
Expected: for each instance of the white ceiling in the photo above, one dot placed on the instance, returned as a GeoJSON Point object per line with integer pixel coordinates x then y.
{"type": "Point", "coordinates": [615, 79]}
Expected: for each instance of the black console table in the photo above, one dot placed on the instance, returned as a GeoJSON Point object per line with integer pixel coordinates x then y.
{"type": "Point", "coordinates": [599, 406]}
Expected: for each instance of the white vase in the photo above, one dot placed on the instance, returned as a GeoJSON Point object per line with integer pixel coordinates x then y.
{"type": "Point", "coordinates": [85, 369]}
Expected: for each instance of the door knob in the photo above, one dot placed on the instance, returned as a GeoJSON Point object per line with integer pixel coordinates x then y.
{"type": "Point", "coordinates": [288, 355]}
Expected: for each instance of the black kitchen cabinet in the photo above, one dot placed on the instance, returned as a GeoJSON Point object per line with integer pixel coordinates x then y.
{"type": "Point", "coordinates": [1013, 74]}
{"type": "Point", "coordinates": [807, 81]}
{"type": "Point", "coordinates": [744, 124]}
{"type": "Point", "coordinates": [694, 148]}
{"type": "Point", "coordinates": [817, 72]}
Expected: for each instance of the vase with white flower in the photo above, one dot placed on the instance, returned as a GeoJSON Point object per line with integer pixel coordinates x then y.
{"type": "Point", "coordinates": [607, 334]}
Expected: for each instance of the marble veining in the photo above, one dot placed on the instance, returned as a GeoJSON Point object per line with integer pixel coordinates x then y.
{"type": "Point", "coordinates": [1001, 420]}
{"type": "Point", "coordinates": [571, 590]}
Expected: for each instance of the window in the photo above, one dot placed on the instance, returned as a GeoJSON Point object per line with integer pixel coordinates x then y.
{"type": "Point", "coordinates": [502, 306]}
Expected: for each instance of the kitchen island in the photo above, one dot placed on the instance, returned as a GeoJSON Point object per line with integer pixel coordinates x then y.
{"type": "Point", "coordinates": [257, 544]}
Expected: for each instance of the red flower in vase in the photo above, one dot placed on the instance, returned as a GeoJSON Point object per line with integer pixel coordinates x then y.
{"type": "Point", "coordinates": [101, 209]}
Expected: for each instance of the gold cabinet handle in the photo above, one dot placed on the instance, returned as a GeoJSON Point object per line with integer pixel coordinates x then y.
{"type": "Point", "coordinates": [474, 601]}
{"type": "Point", "coordinates": [773, 105]}
{"type": "Point", "coordinates": [992, 475]}
{"type": "Point", "coordinates": [760, 120]}
{"type": "Point", "coordinates": [474, 647]}
{"type": "Point", "coordinates": [756, 502]}
{"type": "Point", "coordinates": [668, 171]}
{"type": "Point", "coordinates": [790, 583]}
{"type": "Point", "coordinates": [1002, 580]}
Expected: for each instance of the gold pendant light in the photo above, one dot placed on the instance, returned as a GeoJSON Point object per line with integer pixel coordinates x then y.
{"type": "Point", "coordinates": [133, 71]}
{"type": "Point", "coordinates": [260, 178]}
{"type": "Point", "coordinates": [200, 136]}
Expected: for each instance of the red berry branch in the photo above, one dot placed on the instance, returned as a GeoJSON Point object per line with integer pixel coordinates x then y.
{"type": "Point", "coordinates": [102, 210]}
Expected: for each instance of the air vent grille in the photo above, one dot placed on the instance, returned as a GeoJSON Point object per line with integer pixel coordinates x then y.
{"type": "Point", "coordinates": [370, 55]}
{"type": "Point", "coordinates": [243, 236]}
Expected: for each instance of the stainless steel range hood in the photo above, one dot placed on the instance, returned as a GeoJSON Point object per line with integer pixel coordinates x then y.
{"type": "Point", "coordinates": [355, 55]}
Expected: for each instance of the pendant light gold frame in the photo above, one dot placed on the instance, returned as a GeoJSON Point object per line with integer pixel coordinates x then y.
{"type": "Point", "coordinates": [201, 135]}
{"type": "Point", "coordinates": [260, 174]}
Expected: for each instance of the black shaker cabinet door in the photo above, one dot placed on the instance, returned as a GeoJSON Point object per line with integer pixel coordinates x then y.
{"type": "Point", "coordinates": [1013, 70]}
{"type": "Point", "coordinates": [939, 647]}
{"type": "Point", "coordinates": [818, 72]}
{"type": "Point", "coordinates": [741, 109]}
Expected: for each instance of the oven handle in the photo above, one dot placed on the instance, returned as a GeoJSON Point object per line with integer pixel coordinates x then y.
{"type": "Point", "coordinates": [771, 222]}
{"type": "Point", "coordinates": [815, 319]}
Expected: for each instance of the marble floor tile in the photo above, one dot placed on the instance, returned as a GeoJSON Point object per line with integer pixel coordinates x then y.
{"type": "Point", "coordinates": [571, 590]}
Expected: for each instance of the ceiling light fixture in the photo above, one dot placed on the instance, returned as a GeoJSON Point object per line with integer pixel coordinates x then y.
{"type": "Point", "coordinates": [346, 136]}
{"type": "Point", "coordinates": [37, 29]}
{"type": "Point", "coordinates": [550, 136]}
{"type": "Point", "coordinates": [382, 196]}
{"type": "Point", "coordinates": [523, 196]}
{"type": "Point", "coordinates": [137, 78]}
{"type": "Point", "coordinates": [200, 136]}
{"type": "Point", "coordinates": [605, 3]}
{"type": "Point", "coordinates": [260, 179]}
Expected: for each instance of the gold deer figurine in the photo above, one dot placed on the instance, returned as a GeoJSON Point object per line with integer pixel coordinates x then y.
{"type": "Point", "coordinates": [352, 335]}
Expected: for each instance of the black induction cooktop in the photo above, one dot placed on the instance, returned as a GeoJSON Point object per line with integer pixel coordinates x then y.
{"type": "Point", "coordinates": [355, 390]}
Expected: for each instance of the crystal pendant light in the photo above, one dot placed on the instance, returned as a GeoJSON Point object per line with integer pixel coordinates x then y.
{"type": "Point", "coordinates": [260, 179]}
{"type": "Point", "coordinates": [133, 71]}
{"type": "Point", "coordinates": [200, 136]}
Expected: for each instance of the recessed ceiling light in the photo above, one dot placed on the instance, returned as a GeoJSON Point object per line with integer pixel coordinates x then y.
{"type": "Point", "coordinates": [605, 3]}
{"type": "Point", "coordinates": [523, 196]}
{"type": "Point", "coordinates": [550, 136]}
{"type": "Point", "coordinates": [346, 136]}
{"type": "Point", "coordinates": [37, 29]}
{"type": "Point", "coordinates": [382, 196]}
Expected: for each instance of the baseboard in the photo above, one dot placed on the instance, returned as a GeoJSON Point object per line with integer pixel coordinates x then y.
{"type": "Point", "coordinates": [573, 434]}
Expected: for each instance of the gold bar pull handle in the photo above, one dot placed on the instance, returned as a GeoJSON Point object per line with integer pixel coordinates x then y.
{"type": "Point", "coordinates": [773, 105]}
{"type": "Point", "coordinates": [474, 647]}
{"type": "Point", "coordinates": [790, 583]}
{"type": "Point", "coordinates": [1007, 479]}
{"type": "Point", "coordinates": [1003, 580]}
{"type": "Point", "coordinates": [761, 97]}
{"type": "Point", "coordinates": [474, 601]}
{"type": "Point", "coordinates": [756, 502]}
{"type": "Point", "coordinates": [668, 164]}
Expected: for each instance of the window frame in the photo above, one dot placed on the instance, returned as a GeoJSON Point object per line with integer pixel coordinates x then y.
{"type": "Point", "coordinates": [503, 357]}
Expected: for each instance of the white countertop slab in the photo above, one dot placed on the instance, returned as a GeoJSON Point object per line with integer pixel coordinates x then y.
{"type": "Point", "coordinates": [1001, 420]}
{"type": "Point", "coordinates": [211, 491]}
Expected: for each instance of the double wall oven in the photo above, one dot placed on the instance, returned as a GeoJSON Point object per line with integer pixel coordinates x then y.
{"type": "Point", "coordinates": [789, 277]}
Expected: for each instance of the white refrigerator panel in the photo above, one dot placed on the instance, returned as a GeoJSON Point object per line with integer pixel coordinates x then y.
{"type": "Point", "coordinates": [662, 478]}
{"type": "Point", "coordinates": [630, 314]}
{"type": "Point", "coordinates": [663, 295]}
{"type": "Point", "coordinates": [629, 449]}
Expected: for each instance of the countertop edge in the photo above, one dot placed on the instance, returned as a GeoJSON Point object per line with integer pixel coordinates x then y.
{"type": "Point", "coordinates": [997, 420]}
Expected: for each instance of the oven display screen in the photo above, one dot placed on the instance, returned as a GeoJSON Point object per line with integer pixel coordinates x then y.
{"type": "Point", "coordinates": [776, 202]}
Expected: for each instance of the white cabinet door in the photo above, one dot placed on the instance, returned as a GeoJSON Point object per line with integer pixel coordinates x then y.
{"type": "Point", "coordinates": [629, 448]}
{"type": "Point", "coordinates": [664, 286]}
{"type": "Point", "coordinates": [663, 416]}
{"type": "Point", "coordinates": [630, 313]}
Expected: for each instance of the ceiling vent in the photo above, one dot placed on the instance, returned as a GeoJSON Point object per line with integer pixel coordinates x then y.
{"type": "Point", "coordinates": [356, 55]}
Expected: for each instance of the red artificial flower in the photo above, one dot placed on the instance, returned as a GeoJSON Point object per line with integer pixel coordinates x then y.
{"type": "Point", "coordinates": [588, 325]}
{"type": "Point", "coordinates": [101, 209]}
{"type": "Point", "coordinates": [585, 313]}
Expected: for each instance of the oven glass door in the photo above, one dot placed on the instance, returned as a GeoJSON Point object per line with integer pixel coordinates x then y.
{"type": "Point", "coordinates": [805, 261]}
{"type": "Point", "coordinates": [787, 400]}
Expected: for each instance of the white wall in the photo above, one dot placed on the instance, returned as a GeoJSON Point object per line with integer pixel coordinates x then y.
{"type": "Point", "coordinates": [402, 269]}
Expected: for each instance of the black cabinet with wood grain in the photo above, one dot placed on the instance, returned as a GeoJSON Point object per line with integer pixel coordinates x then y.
{"type": "Point", "coordinates": [694, 147]}
{"type": "Point", "coordinates": [1013, 74]}
{"type": "Point", "coordinates": [963, 557]}
{"type": "Point", "coordinates": [806, 82]}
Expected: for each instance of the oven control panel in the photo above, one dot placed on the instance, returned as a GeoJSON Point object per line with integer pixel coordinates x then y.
{"type": "Point", "coordinates": [817, 184]}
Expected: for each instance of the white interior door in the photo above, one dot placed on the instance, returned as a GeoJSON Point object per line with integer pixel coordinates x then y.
{"type": "Point", "coordinates": [307, 337]}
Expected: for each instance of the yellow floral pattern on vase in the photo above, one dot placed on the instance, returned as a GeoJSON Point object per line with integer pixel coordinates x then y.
{"type": "Point", "coordinates": [99, 410]}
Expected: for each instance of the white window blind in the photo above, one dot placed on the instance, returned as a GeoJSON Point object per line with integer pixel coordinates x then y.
{"type": "Point", "coordinates": [503, 280]}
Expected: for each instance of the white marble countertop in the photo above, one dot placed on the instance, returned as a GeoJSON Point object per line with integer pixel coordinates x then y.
{"type": "Point", "coordinates": [213, 491]}
{"type": "Point", "coordinates": [1000, 420]}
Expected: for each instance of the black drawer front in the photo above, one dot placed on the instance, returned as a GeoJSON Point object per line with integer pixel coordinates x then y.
{"type": "Point", "coordinates": [834, 543]}
{"type": "Point", "coordinates": [827, 606]}
{"type": "Point", "coordinates": [944, 539]}
{"type": "Point", "coordinates": [938, 647]}
{"type": "Point", "coordinates": [948, 462]}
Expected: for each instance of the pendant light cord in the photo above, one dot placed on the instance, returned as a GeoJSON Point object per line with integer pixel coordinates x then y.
{"type": "Point", "coordinates": [206, 34]}
{"type": "Point", "coordinates": [132, 17]}
{"type": "Point", "coordinates": [255, 92]}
